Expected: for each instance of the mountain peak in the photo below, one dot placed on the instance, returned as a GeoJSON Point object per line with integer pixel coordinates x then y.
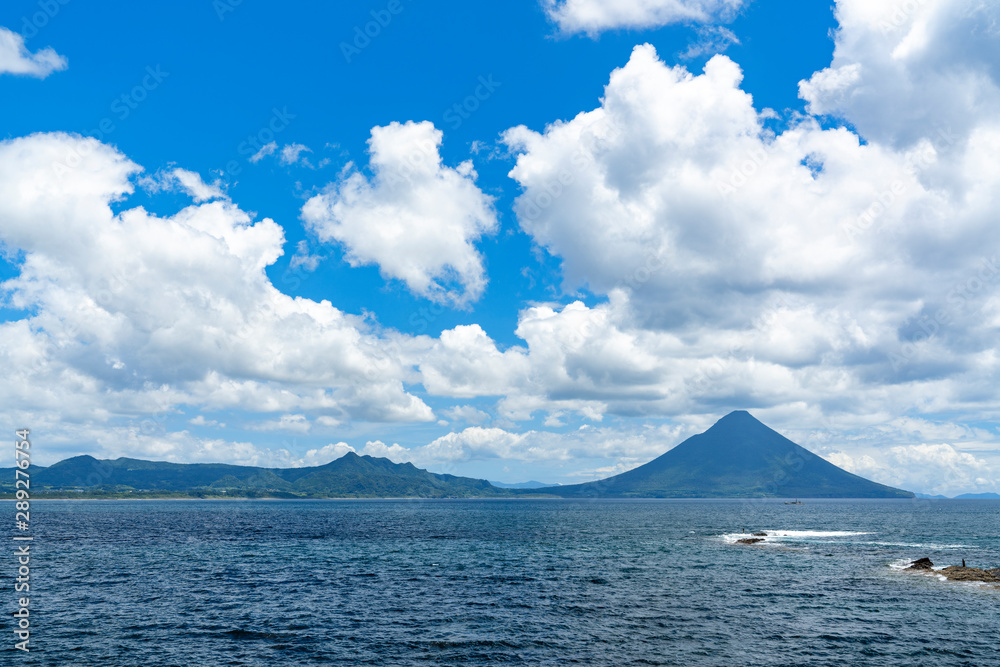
{"type": "Point", "coordinates": [737, 457]}
{"type": "Point", "coordinates": [739, 417]}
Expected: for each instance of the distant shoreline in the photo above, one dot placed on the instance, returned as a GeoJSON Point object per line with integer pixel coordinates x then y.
{"type": "Point", "coordinates": [498, 499]}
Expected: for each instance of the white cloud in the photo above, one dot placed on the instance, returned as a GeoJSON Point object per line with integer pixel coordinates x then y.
{"type": "Point", "coordinates": [178, 447]}
{"type": "Point", "coordinates": [595, 16]}
{"type": "Point", "coordinates": [16, 59]}
{"type": "Point", "coordinates": [201, 421]}
{"type": "Point", "coordinates": [902, 71]}
{"type": "Point", "coordinates": [265, 150]}
{"type": "Point", "coordinates": [465, 362]}
{"type": "Point", "coordinates": [218, 335]}
{"type": "Point", "coordinates": [183, 180]}
{"type": "Point", "coordinates": [711, 40]}
{"type": "Point", "coordinates": [825, 279]}
{"type": "Point", "coordinates": [394, 452]}
{"type": "Point", "coordinates": [182, 447]}
{"type": "Point", "coordinates": [937, 469]}
{"type": "Point", "coordinates": [325, 454]}
{"type": "Point", "coordinates": [667, 194]}
{"type": "Point", "coordinates": [303, 259]}
{"type": "Point", "coordinates": [466, 413]}
{"type": "Point", "coordinates": [628, 447]}
{"type": "Point", "coordinates": [286, 424]}
{"type": "Point", "coordinates": [194, 186]}
{"type": "Point", "coordinates": [290, 153]}
{"type": "Point", "coordinates": [415, 218]}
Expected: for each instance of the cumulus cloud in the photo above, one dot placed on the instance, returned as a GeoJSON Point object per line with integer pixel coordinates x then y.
{"type": "Point", "coordinates": [594, 16]}
{"type": "Point", "coordinates": [183, 447]}
{"type": "Point", "coordinates": [819, 275]}
{"type": "Point", "coordinates": [415, 218]}
{"type": "Point", "coordinates": [629, 447]}
{"type": "Point", "coordinates": [97, 348]}
{"type": "Point", "coordinates": [325, 454]}
{"type": "Point", "coordinates": [937, 469]}
{"type": "Point", "coordinates": [873, 277]}
{"type": "Point", "coordinates": [902, 71]}
{"type": "Point", "coordinates": [16, 59]}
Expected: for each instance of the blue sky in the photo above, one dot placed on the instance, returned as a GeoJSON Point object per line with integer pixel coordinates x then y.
{"type": "Point", "coordinates": [744, 219]}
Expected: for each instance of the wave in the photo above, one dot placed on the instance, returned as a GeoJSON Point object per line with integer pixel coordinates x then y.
{"type": "Point", "coordinates": [792, 535]}
{"type": "Point", "coordinates": [928, 545]}
{"type": "Point", "coordinates": [904, 563]}
{"type": "Point", "coordinates": [808, 534]}
{"type": "Point", "coordinates": [900, 563]}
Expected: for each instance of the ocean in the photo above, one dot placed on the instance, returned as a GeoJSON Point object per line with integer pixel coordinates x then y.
{"type": "Point", "coordinates": [532, 582]}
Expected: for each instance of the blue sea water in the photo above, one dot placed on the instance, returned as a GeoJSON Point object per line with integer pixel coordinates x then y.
{"type": "Point", "coordinates": [533, 582]}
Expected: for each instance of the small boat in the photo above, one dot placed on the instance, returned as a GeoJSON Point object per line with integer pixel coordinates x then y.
{"type": "Point", "coordinates": [797, 502]}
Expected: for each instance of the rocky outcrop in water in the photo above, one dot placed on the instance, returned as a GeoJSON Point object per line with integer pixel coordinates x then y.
{"type": "Point", "coordinates": [750, 540]}
{"type": "Point", "coordinates": [958, 572]}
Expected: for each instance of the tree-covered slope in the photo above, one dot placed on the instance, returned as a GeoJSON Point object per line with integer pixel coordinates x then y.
{"type": "Point", "coordinates": [350, 476]}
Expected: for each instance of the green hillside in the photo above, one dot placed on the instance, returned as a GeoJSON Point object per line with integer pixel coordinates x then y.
{"type": "Point", "coordinates": [350, 476]}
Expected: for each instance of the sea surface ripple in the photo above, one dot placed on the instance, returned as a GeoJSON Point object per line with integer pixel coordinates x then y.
{"type": "Point", "coordinates": [534, 582]}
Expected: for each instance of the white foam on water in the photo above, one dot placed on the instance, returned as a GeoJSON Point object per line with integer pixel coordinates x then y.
{"type": "Point", "coordinates": [789, 535]}
{"type": "Point", "coordinates": [732, 538]}
{"type": "Point", "coordinates": [811, 534]}
{"type": "Point", "coordinates": [905, 563]}
{"type": "Point", "coordinates": [920, 546]}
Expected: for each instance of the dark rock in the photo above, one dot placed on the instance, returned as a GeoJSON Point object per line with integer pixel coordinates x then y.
{"type": "Point", "coordinates": [760, 534]}
{"type": "Point", "coordinates": [750, 540]}
{"type": "Point", "coordinates": [959, 573]}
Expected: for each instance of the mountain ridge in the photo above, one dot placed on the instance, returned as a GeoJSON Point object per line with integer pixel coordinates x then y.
{"type": "Point", "coordinates": [738, 457]}
{"type": "Point", "coordinates": [350, 476]}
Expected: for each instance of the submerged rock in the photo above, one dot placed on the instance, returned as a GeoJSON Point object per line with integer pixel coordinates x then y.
{"type": "Point", "coordinates": [921, 564]}
{"type": "Point", "coordinates": [760, 534]}
{"type": "Point", "coordinates": [750, 540]}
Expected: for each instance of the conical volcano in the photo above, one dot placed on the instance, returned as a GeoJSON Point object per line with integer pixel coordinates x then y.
{"type": "Point", "coordinates": [738, 457]}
